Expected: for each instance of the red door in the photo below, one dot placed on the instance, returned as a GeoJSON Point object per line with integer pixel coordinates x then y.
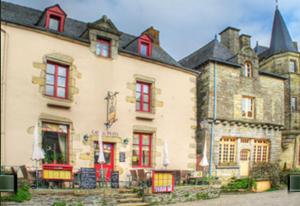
{"type": "Point", "coordinates": [108, 166]}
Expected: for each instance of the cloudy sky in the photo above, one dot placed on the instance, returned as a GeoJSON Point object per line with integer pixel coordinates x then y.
{"type": "Point", "coordinates": [184, 25]}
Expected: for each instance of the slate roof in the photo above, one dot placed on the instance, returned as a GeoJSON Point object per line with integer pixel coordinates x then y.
{"type": "Point", "coordinates": [213, 51]}
{"type": "Point", "coordinates": [258, 49]}
{"type": "Point", "coordinates": [30, 17]}
{"type": "Point", "coordinates": [281, 40]}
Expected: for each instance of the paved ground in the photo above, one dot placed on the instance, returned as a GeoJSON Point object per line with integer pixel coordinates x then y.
{"type": "Point", "coordinates": [275, 198]}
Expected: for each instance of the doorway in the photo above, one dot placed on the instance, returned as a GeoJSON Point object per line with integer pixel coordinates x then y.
{"type": "Point", "coordinates": [244, 162]}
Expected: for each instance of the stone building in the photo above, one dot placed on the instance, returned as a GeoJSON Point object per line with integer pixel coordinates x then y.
{"type": "Point", "coordinates": [240, 106]}
{"type": "Point", "coordinates": [72, 78]}
{"type": "Point", "coordinates": [282, 57]}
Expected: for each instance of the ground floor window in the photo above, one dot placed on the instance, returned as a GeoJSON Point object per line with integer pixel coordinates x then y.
{"type": "Point", "coordinates": [141, 150]}
{"type": "Point", "coordinates": [261, 151]}
{"type": "Point", "coordinates": [55, 143]}
{"type": "Point", "coordinates": [227, 151]}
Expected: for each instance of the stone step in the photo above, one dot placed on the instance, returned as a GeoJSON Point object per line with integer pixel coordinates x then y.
{"type": "Point", "coordinates": [128, 200]}
{"type": "Point", "coordinates": [134, 204]}
{"type": "Point", "coordinates": [127, 195]}
{"type": "Point", "coordinates": [123, 190]}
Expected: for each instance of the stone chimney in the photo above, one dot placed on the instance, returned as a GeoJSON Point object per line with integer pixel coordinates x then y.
{"type": "Point", "coordinates": [153, 33]}
{"type": "Point", "coordinates": [245, 40]}
{"type": "Point", "coordinates": [230, 39]}
{"type": "Point", "coordinates": [295, 45]}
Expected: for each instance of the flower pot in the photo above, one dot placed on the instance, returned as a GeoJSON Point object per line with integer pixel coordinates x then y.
{"type": "Point", "coordinates": [261, 185]}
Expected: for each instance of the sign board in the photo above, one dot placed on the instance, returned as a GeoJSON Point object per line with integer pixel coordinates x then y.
{"type": "Point", "coordinates": [162, 181]}
{"type": "Point", "coordinates": [114, 179]}
{"type": "Point", "coordinates": [88, 178]}
{"type": "Point", "coordinates": [8, 183]}
{"type": "Point", "coordinates": [122, 157]}
{"type": "Point", "coordinates": [57, 172]}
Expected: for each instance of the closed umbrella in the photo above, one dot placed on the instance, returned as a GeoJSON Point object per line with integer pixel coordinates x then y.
{"type": "Point", "coordinates": [204, 162]}
{"type": "Point", "coordinates": [37, 153]}
{"type": "Point", "coordinates": [101, 158]}
{"type": "Point", "coordinates": [166, 161]}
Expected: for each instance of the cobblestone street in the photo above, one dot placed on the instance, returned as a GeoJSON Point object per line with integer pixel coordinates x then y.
{"type": "Point", "coordinates": [275, 198]}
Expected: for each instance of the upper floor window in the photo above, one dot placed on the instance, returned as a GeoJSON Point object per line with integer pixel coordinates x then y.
{"type": "Point", "coordinates": [248, 107]}
{"type": "Point", "coordinates": [248, 69]}
{"type": "Point", "coordinates": [293, 104]}
{"type": "Point", "coordinates": [56, 80]}
{"type": "Point", "coordinates": [103, 48]}
{"type": "Point", "coordinates": [143, 94]}
{"type": "Point", "coordinates": [261, 151]}
{"type": "Point", "coordinates": [55, 18]}
{"type": "Point", "coordinates": [292, 66]}
{"type": "Point", "coordinates": [141, 150]}
{"type": "Point", "coordinates": [145, 46]}
{"type": "Point", "coordinates": [227, 151]}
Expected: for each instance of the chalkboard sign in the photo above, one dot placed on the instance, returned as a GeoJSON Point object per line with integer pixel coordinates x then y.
{"type": "Point", "coordinates": [114, 179]}
{"type": "Point", "coordinates": [88, 178]}
{"type": "Point", "coordinates": [122, 157]}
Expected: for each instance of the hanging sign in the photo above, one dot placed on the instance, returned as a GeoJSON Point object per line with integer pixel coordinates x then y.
{"type": "Point", "coordinates": [111, 99]}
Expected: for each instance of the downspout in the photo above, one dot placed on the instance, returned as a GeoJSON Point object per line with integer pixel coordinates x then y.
{"type": "Point", "coordinates": [3, 96]}
{"type": "Point", "coordinates": [212, 129]}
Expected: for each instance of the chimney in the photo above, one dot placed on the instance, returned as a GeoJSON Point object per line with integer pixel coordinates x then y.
{"type": "Point", "coordinates": [295, 45]}
{"type": "Point", "coordinates": [230, 39]}
{"type": "Point", "coordinates": [245, 40]}
{"type": "Point", "coordinates": [153, 33]}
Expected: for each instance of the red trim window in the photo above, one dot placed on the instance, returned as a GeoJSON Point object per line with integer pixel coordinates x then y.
{"type": "Point", "coordinates": [141, 150]}
{"type": "Point", "coordinates": [103, 48]}
{"type": "Point", "coordinates": [56, 80]}
{"type": "Point", "coordinates": [55, 18]}
{"type": "Point", "coordinates": [143, 97]}
{"type": "Point", "coordinates": [248, 69]}
{"type": "Point", "coordinates": [145, 46]}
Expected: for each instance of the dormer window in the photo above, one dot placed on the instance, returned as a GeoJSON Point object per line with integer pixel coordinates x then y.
{"type": "Point", "coordinates": [55, 18]}
{"type": "Point", "coordinates": [103, 48]}
{"type": "Point", "coordinates": [248, 69]}
{"type": "Point", "coordinates": [145, 46]}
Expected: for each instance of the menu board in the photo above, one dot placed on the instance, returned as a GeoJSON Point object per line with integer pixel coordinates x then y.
{"type": "Point", "coordinates": [115, 179]}
{"type": "Point", "coordinates": [88, 178]}
{"type": "Point", "coordinates": [162, 181]}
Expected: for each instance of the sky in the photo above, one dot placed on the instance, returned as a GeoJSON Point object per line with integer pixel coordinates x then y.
{"type": "Point", "coordinates": [184, 25]}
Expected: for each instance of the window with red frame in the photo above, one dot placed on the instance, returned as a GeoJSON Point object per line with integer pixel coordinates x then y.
{"type": "Point", "coordinates": [55, 18]}
{"type": "Point", "coordinates": [56, 80]}
{"type": "Point", "coordinates": [103, 48]}
{"type": "Point", "coordinates": [143, 96]}
{"type": "Point", "coordinates": [141, 150]}
{"type": "Point", "coordinates": [145, 46]}
{"type": "Point", "coordinates": [54, 22]}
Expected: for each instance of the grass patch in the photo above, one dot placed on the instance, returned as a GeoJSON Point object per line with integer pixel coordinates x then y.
{"type": "Point", "coordinates": [22, 195]}
{"type": "Point", "coordinates": [237, 185]}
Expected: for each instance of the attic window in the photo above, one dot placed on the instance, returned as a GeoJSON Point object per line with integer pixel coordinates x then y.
{"type": "Point", "coordinates": [145, 46]}
{"type": "Point", "coordinates": [55, 18]}
{"type": "Point", "coordinates": [103, 47]}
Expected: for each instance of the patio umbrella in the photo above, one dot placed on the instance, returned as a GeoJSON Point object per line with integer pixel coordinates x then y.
{"type": "Point", "coordinates": [101, 158]}
{"type": "Point", "coordinates": [166, 161]}
{"type": "Point", "coordinates": [37, 153]}
{"type": "Point", "coordinates": [204, 162]}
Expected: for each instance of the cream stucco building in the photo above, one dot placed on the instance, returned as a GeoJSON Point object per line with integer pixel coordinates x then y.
{"type": "Point", "coordinates": [57, 72]}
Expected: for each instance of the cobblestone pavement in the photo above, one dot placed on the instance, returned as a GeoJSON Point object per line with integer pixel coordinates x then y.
{"type": "Point", "coordinates": [275, 198]}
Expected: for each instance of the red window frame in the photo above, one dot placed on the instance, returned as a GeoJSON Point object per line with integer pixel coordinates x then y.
{"type": "Point", "coordinates": [55, 85]}
{"type": "Point", "coordinates": [141, 102]}
{"type": "Point", "coordinates": [104, 42]}
{"type": "Point", "coordinates": [57, 13]}
{"type": "Point", "coordinates": [145, 40]}
{"type": "Point", "coordinates": [67, 139]}
{"type": "Point", "coordinates": [140, 145]}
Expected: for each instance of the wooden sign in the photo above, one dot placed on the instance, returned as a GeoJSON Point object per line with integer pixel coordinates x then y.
{"type": "Point", "coordinates": [57, 172]}
{"type": "Point", "coordinates": [122, 157]}
{"type": "Point", "coordinates": [162, 181]}
{"type": "Point", "coordinates": [88, 178]}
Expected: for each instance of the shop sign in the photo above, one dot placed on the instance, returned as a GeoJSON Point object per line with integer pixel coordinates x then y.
{"type": "Point", "coordinates": [162, 181]}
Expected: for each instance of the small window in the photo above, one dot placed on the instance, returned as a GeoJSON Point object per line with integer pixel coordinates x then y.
{"type": "Point", "coordinates": [261, 151]}
{"type": "Point", "coordinates": [294, 104]}
{"type": "Point", "coordinates": [248, 107]}
{"type": "Point", "coordinates": [292, 66]}
{"type": "Point", "coordinates": [145, 46]}
{"type": "Point", "coordinates": [227, 151]}
{"type": "Point", "coordinates": [55, 143]}
{"type": "Point", "coordinates": [143, 96]}
{"type": "Point", "coordinates": [145, 49]}
{"type": "Point", "coordinates": [56, 80]}
{"type": "Point", "coordinates": [141, 150]}
{"type": "Point", "coordinates": [54, 23]}
{"type": "Point", "coordinates": [103, 48]}
{"type": "Point", "coordinates": [248, 69]}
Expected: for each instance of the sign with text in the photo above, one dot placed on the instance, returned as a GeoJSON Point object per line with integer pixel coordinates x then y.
{"type": "Point", "coordinates": [162, 181]}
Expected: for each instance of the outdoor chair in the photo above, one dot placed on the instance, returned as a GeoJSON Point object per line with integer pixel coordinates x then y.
{"type": "Point", "coordinates": [177, 177]}
{"type": "Point", "coordinates": [143, 177]}
{"type": "Point", "coordinates": [184, 176]}
{"type": "Point", "coordinates": [134, 177]}
{"type": "Point", "coordinates": [27, 175]}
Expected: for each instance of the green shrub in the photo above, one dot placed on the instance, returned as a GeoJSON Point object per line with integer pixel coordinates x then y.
{"type": "Point", "coordinates": [202, 196]}
{"type": "Point", "coordinates": [266, 170]}
{"type": "Point", "coordinates": [22, 195]}
{"type": "Point", "coordinates": [237, 184]}
{"type": "Point", "coordinates": [60, 203]}
{"type": "Point", "coordinates": [284, 174]}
